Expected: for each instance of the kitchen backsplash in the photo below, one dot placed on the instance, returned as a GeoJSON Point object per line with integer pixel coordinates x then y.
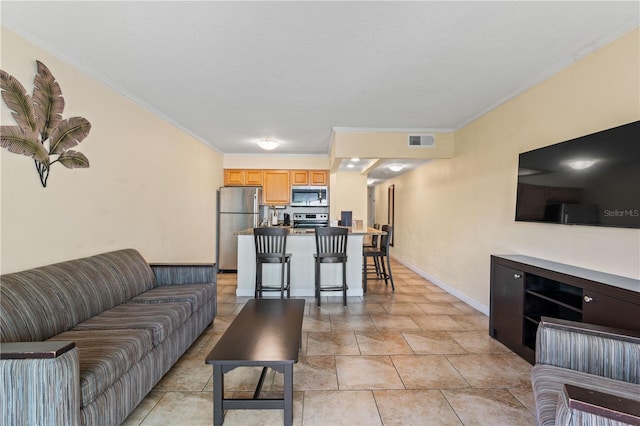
{"type": "Point", "coordinates": [264, 211]}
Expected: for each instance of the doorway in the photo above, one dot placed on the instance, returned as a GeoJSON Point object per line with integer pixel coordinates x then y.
{"type": "Point", "coordinates": [371, 206]}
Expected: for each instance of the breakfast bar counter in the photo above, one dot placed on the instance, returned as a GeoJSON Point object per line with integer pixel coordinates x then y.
{"type": "Point", "coordinates": [301, 244]}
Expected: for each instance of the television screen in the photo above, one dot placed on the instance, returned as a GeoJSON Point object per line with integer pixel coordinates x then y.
{"type": "Point", "coordinates": [590, 180]}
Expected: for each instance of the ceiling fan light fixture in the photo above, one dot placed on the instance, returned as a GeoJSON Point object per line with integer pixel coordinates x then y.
{"type": "Point", "coordinates": [268, 144]}
{"type": "Point", "coordinates": [395, 167]}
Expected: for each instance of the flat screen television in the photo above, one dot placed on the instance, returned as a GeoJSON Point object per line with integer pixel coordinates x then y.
{"type": "Point", "coordinates": [590, 180]}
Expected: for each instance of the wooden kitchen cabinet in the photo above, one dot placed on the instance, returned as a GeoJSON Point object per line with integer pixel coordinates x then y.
{"type": "Point", "coordinates": [276, 188]}
{"type": "Point", "coordinates": [233, 177]}
{"type": "Point", "coordinates": [253, 177]}
{"type": "Point", "coordinates": [299, 177]}
{"type": "Point", "coordinates": [309, 177]}
{"type": "Point", "coordinates": [243, 177]}
{"type": "Point", "coordinates": [319, 177]}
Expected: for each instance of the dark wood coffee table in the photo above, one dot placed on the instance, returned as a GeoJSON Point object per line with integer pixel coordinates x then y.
{"type": "Point", "coordinates": [266, 333]}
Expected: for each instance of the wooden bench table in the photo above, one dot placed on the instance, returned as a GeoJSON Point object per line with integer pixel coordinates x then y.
{"type": "Point", "coordinates": [266, 333]}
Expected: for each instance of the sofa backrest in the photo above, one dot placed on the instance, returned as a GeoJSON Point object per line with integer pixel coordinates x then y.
{"type": "Point", "coordinates": [30, 309]}
{"type": "Point", "coordinates": [64, 294]}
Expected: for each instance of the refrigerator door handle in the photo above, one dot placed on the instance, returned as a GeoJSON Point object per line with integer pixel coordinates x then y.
{"type": "Point", "coordinates": [255, 209]}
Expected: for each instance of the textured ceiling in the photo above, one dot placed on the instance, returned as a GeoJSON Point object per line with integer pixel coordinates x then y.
{"type": "Point", "coordinates": [230, 73]}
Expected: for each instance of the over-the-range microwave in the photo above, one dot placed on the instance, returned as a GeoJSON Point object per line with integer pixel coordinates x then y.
{"type": "Point", "coordinates": [309, 196]}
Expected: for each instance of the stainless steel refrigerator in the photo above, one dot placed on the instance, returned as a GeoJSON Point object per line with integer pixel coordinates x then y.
{"type": "Point", "coordinates": [238, 209]}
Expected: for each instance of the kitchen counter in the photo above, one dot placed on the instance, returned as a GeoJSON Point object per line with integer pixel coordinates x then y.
{"type": "Point", "coordinates": [311, 231]}
{"type": "Point", "coordinates": [302, 247]}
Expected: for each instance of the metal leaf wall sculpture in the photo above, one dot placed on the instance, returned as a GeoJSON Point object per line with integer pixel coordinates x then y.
{"type": "Point", "coordinates": [40, 124]}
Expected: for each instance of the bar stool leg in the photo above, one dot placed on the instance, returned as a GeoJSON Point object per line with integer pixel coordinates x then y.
{"type": "Point", "coordinates": [364, 273]}
{"type": "Point", "coordinates": [344, 283]}
{"type": "Point", "coordinates": [390, 274]}
{"type": "Point", "coordinates": [282, 280]}
{"type": "Point", "coordinates": [288, 279]}
{"type": "Point", "coordinates": [384, 274]}
{"type": "Point", "coordinates": [317, 283]}
{"type": "Point", "coordinates": [258, 275]}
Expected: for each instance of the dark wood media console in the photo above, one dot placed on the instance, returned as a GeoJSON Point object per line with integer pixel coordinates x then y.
{"type": "Point", "coordinates": [524, 288]}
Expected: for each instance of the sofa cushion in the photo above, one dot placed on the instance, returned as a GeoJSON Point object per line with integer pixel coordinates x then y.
{"type": "Point", "coordinates": [133, 270]}
{"type": "Point", "coordinates": [105, 356]}
{"type": "Point", "coordinates": [94, 284]}
{"type": "Point", "coordinates": [161, 320]}
{"type": "Point", "coordinates": [547, 382]}
{"type": "Point", "coordinates": [30, 307]}
{"type": "Point", "coordinates": [196, 294]}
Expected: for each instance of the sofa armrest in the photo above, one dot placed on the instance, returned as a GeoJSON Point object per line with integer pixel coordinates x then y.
{"type": "Point", "coordinates": [183, 273]}
{"type": "Point", "coordinates": [35, 350]}
{"type": "Point", "coordinates": [602, 404]}
{"type": "Point", "coordinates": [593, 349]}
{"type": "Point", "coordinates": [39, 383]}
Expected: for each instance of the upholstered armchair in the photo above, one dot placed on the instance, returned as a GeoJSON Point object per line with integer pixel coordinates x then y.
{"type": "Point", "coordinates": [586, 374]}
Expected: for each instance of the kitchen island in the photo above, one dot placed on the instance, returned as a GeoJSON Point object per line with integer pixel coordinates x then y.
{"type": "Point", "coordinates": [301, 243]}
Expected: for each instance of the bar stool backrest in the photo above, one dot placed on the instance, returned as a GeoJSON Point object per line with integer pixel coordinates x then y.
{"type": "Point", "coordinates": [385, 239]}
{"type": "Point", "coordinates": [331, 241]}
{"type": "Point", "coordinates": [270, 242]}
{"type": "Point", "coordinates": [374, 238]}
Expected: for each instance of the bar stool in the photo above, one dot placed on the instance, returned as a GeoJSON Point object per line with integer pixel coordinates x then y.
{"type": "Point", "coordinates": [379, 254]}
{"type": "Point", "coordinates": [271, 245]}
{"type": "Point", "coordinates": [373, 244]}
{"type": "Point", "coordinates": [331, 247]}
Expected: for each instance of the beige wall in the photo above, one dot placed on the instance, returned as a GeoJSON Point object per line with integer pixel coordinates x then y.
{"type": "Point", "coordinates": [388, 145]}
{"type": "Point", "coordinates": [150, 186]}
{"type": "Point", "coordinates": [274, 161]}
{"type": "Point", "coordinates": [451, 215]}
{"type": "Point", "coordinates": [348, 193]}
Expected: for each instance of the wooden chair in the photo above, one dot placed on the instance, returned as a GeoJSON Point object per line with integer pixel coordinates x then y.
{"type": "Point", "coordinates": [331, 247]}
{"type": "Point", "coordinates": [271, 246]}
{"type": "Point", "coordinates": [381, 255]}
{"type": "Point", "coordinates": [373, 244]}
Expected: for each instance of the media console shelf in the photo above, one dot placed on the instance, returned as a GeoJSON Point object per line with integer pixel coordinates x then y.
{"type": "Point", "coordinates": [524, 288]}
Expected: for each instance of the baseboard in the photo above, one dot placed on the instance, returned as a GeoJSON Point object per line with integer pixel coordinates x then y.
{"type": "Point", "coordinates": [466, 299]}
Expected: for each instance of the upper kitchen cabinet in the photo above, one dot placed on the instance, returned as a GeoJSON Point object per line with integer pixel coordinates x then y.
{"type": "Point", "coordinates": [243, 177]}
{"type": "Point", "coordinates": [318, 177]}
{"type": "Point", "coordinates": [309, 177]}
{"type": "Point", "coordinates": [253, 177]}
{"type": "Point", "coordinates": [299, 177]}
{"type": "Point", "coordinates": [276, 189]}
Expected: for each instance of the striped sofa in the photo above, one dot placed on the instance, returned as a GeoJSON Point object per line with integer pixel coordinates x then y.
{"type": "Point", "coordinates": [84, 341]}
{"type": "Point", "coordinates": [586, 374]}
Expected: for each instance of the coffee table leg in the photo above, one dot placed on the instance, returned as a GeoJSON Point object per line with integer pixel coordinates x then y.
{"type": "Point", "coordinates": [288, 394]}
{"type": "Point", "coordinates": [218, 394]}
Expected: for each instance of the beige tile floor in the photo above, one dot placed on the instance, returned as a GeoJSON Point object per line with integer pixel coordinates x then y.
{"type": "Point", "coordinates": [416, 356]}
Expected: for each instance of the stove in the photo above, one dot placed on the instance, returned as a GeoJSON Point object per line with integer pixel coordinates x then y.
{"type": "Point", "coordinates": [310, 220]}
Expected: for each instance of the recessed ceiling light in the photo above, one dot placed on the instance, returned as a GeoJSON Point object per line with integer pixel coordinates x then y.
{"type": "Point", "coordinates": [395, 167]}
{"type": "Point", "coordinates": [355, 160]}
{"type": "Point", "coordinates": [351, 166]}
{"type": "Point", "coordinates": [268, 144]}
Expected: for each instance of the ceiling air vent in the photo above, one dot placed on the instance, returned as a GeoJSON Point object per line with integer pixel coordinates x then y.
{"type": "Point", "coordinates": [422, 140]}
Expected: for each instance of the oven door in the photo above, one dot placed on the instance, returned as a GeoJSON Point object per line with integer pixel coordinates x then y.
{"type": "Point", "coordinates": [308, 225]}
